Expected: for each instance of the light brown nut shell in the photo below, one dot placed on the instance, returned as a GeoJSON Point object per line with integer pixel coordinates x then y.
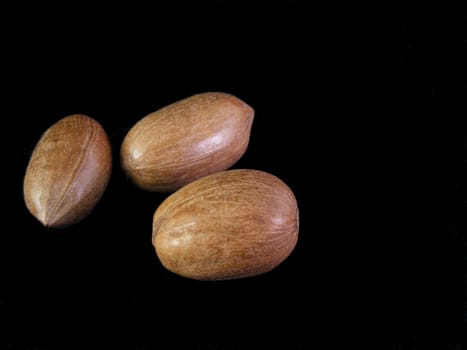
{"type": "Point", "coordinates": [232, 224]}
{"type": "Point", "coordinates": [68, 171]}
{"type": "Point", "coordinates": [184, 141]}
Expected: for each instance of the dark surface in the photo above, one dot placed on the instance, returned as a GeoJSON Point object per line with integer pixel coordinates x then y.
{"type": "Point", "coordinates": [357, 110]}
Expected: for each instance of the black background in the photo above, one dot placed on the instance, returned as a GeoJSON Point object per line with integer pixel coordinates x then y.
{"type": "Point", "coordinates": [358, 109]}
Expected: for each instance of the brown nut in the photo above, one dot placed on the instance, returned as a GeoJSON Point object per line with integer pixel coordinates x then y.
{"type": "Point", "coordinates": [187, 140]}
{"type": "Point", "coordinates": [68, 171]}
{"type": "Point", "coordinates": [232, 224]}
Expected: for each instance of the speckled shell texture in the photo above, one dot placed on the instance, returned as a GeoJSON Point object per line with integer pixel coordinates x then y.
{"type": "Point", "coordinates": [232, 224]}
{"type": "Point", "coordinates": [68, 171]}
{"type": "Point", "coordinates": [189, 139]}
